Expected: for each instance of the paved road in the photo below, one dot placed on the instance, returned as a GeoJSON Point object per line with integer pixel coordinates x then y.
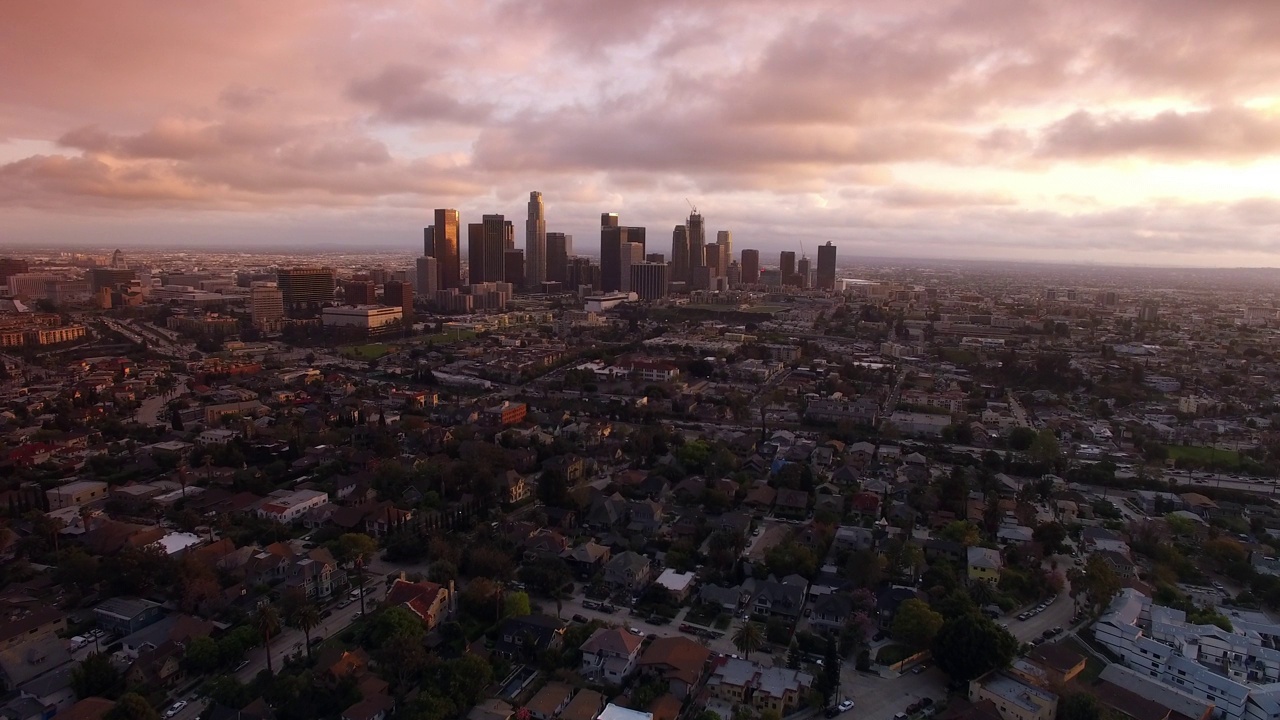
{"type": "Point", "coordinates": [879, 698]}
{"type": "Point", "coordinates": [291, 640]}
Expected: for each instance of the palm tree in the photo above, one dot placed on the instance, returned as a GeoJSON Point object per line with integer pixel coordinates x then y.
{"type": "Point", "coordinates": [748, 638]}
{"type": "Point", "coordinates": [306, 618]}
{"type": "Point", "coordinates": [268, 622]}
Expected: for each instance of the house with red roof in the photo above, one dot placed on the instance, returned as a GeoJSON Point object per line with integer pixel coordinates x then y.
{"type": "Point", "coordinates": [431, 602]}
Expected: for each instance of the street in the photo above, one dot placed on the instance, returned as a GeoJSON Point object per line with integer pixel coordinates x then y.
{"type": "Point", "coordinates": [291, 640]}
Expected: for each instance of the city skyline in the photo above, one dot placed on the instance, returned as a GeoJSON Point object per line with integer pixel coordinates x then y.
{"type": "Point", "coordinates": [1118, 133]}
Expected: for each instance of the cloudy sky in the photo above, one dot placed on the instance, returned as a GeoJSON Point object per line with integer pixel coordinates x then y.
{"type": "Point", "coordinates": [1130, 131]}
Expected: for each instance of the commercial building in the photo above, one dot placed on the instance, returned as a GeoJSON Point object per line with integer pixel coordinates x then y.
{"type": "Point", "coordinates": [559, 248]}
{"type": "Point", "coordinates": [804, 277]}
{"type": "Point", "coordinates": [1014, 697]}
{"type": "Point", "coordinates": [285, 506]}
{"type": "Point", "coordinates": [826, 267]}
{"type": "Point", "coordinates": [1237, 670]}
{"type": "Point", "coordinates": [680, 254]}
{"type": "Point", "coordinates": [724, 248]}
{"type": "Point", "coordinates": [360, 292]}
{"type": "Point", "coordinates": [266, 306]}
{"type": "Point", "coordinates": [111, 277]}
{"type": "Point", "coordinates": [428, 275]}
{"type": "Point", "coordinates": [487, 244]}
{"type": "Point", "coordinates": [126, 615]}
{"type": "Point", "coordinates": [363, 319]}
{"type": "Point", "coordinates": [444, 248]}
{"type": "Point", "coordinates": [648, 280]}
{"type": "Point", "coordinates": [581, 272]}
{"type": "Point", "coordinates": [697, 231]}
{"type": "Point", "coordinates": [535, 242]}
{"type": "Point", "coordinates": [81, 492]}
{"type": "Point", "coordinates": [305, 289]}
{"type": "Point", "coordinates": [513, 268]}
{"type": "Point", "coordinates": [399, 294]}
{"type": "Point", "coordinates": [750, 267]}
{"type": "Point", "coordinates": [10, 267]}
{"type": "Point", "coordinates": [787, 267]}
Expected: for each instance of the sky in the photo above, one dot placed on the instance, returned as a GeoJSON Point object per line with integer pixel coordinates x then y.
{"type": "Point", "coordinates": [1106, 131]}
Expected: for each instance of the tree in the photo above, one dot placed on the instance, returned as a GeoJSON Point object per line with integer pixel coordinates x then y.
{"type": "Point", "coordinates": [354, 550]}
{"type": "Point", "coordinates": [1020, 438]}
{"type": "Point", "coordinates": [1050, 535]}
{"type": "Point", "coordinates": [1098, 581]}
{"type": "Point", "coordinates": [516, 604]}
{"type": "Point", "coordinates": [268, 623]}
{"type": "Point", "coordinates": [395, 622]}
{"type": "Point", "coordinates": [132, 706]}
{"type": "Point", "coordinates": [915, 624]}
{"type": "Point", "coordinates": [829, 681]}
{"type": "Point", "coordinates": [1080, 706]}
{"type": "Point", "coordinates": [1044, 448]}
{"type": "Point", "coordinates": [202, 655]}
{"type": "Point", "coordinates": [961, 531]}
{"type": "Point", "coordinates": [95, 676]}
{"type": "Point", "coordinates": [971, 645]}
{"type": "Point", "coordinates": [865, 568]}
{"type": "Point", "coordinates": [304, 616]}
{"type": "Point", "coordinates": [748, 638]}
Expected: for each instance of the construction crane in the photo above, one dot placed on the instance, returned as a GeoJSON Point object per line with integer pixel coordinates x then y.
{"type": "Point", "coordinates": [692, 208]}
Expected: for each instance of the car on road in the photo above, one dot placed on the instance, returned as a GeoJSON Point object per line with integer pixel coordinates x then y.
{"type": "Point", "coordinates": [579, 617]}
{"type": "Point", "coordinates": [845, 705]}
{"type": "Point", "coordinates": [608, 608]}
{"type": "Point", "coordinates": [175, 708]}
{"type": "Point", "coordinates": [243, 664]}
{"type": "Point", "coordinates": [636, 631]}
{"type": "Point", "coordinates": [919, 669]}
{"type": "Point", "coordinates": [590, 605]}
{"type": "Point", "coordinates": [317, 640]}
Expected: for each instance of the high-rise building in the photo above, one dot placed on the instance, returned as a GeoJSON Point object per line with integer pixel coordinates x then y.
{"type": "Point", "coordinates": [428, 275]}
{"type": "Point", "coordinates": [648, 280]}
{"type": "Point", "coordinates": [608, 220]}
{"type": "Point", "coordinates": [117, 259]}
{"type": "Point", "coordinates": [487, 247]}
{"type": "Point", "coordinates": [827, 266]}
{"type": "Point", "coordinates": [655, 257]}
{"type": "Point", "coordinates": [559, 248]}
{"type": "Point", "coordinates": [266, 306]}
{"type": "Point", "coordinates": [305, 289]}
{"type": "Point", "coordinates": [680, 254]}
{"type": "Point", "coordinates": [399, 294]}
{"type": "Point", "coordinates": [802, 273]}
{"type": "Point", "coordinates": [787, 267]}
{"type": "Point", "coordinates": [513, 268]}
{"type": "Point", "coordinates": [111, 277]}
{"type": "Point", "coordinates": [1149, 311]}
{"type": "Point", "coordinates": [11, 266]}
{"type": "Point", "coordinates": [581, 271]}
{"type": "Point", "coordinates": [750, 267]}
{"type": "Point", "coordinates": [696, 241]}
{"type": "Point", "coordinates": [631, 254]}
{"type": "Point", "coordinates": [734, 276]}
{"type": "Point", "coordinates": [429, 241]}
{"type": "Point", "coordinates": [360, 292]}
{"type": "Point", "coordinates": [447, 230]}
{"type": "Point", "coordinates": [535, 242]}
{"type": "Point", "coordinates": [724, 243]}
{"type": "Point", "coordinates": [612, 239]}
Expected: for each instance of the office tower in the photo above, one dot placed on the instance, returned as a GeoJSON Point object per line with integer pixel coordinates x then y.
{"type": "Point", "coordinates": [446, 249]}
{"type": "Point", "coordinates": [712, 259]}
{"type": "Point", "coordinates": [612, 238]}
{"type": "Point", "coordinates": [559, 248]}
{"type": "Point", "coordinates": [581, 271]}
{"type": "Point", "coordinates": [827, 266]}
{"type": "Point", "coordinates": [802, 272]}
{"type": "Point", "coordinates": [701, 278]}
{"type": "Point", "coordinates": [724, 243]}
{"type": "Point", "coordinates": [750, 267]}
{"type": "Point", "coordinates": [632, 254]}
{"type": "Point", "coordinates": [360, 292]}
{"type": "Point", "coordinates": [513, 268]}
{"type": "Point", "coordinates": [655, 257]}
{"type": "Point", "coordinates": [1149, 311]}
{"type": "Point", "coordinates": [649, 280]}
{"type": "Point", "coordinates": [111, 277]}
{"type": "Point", "coordinates": [379, 276]}
{"type": "Point", "coordinates": [399, 294]}
{"type": "Point", "coordinates": [429, 241]}
{"type": "Point", "coordinates": [697, 236]}
{"type": "Point", "coordinates": [680, 254]}
{"type": "Point", "coordinates": [11, 266]}
{"type": "Point", "coordinates": [487, 247]}
{"type": "Point", "coordinates": [1110, 297]}
{"type": "Point", "coordinates": [734, 276]}
{"type": "Point", "coordinates": [428, 275]}
{"type": "Point", "coordinates": [608, 220]}
{"type": "Point", "coordinates": [305, 289]}
{"type": "Point", "coordinates": [266, 306]}
{"type": "Point", "coordinates": [787, 266]}
{"type": "Point", "coordinates": [535, 242]}
{"type": "Point", "coordinates": [117, 259]}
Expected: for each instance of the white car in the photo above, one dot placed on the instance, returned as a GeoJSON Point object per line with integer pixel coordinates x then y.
{"type": "Point", "coordinates": [845, 705]}
{"type": "Point", "coordinates": [175, 708]}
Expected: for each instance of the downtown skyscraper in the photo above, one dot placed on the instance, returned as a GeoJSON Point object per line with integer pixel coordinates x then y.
{"type": "Point", "coordinates": [535, 243]}
{"type": "Point", "coordinates": [750, 267]}
{"type": "Point", "coordinates": [444, 248]}
{"type": "Point", "coordinates": [487, 243]}
{"type": "Point", "coordinates": [680, 254]}
{"type": "Point", "coordinates": [826, 267]}
{"type": "Point", "coordinates": [559, 248]}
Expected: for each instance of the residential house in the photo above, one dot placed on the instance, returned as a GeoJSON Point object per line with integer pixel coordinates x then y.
{"type": "Point", "coordinates": [984, 565]}
{"type": "Point", "coordinates": [610, 655]}
{"type": "Point", "coordinates": [585, 705]}
{"type": "Point", "coordinates": [628, 571]}
{"type": "Point", "coordinates": [888, 599]}
{"type": "Point", "coordinates": [831, 612]}
{"type": "Point", "coordinates": [791, 503]}
{"type": "Point", "coordinates": [678, 660]}
{"type": "Point", "coordinates": [727, 598]}
{"type": "Point", "coordinates": [374, 707]}
{"type": "Point", "coordinates": [529, 636]}
{"type": "Point", "coordinates": [515, 487]}
{"type": "Point", "coordinates": [548, 702]}
{"type": "Point", "coordinates": [126, 615]}
{"type": "Point", "coordinates": [1058, 663]}
{"type": "Point", "coordinates": [785, 599]}
{"type": "Point", "coordinates": [24, 625]}
{"type": "Point", "coordinates": [1120, 564]}
{"type": "Point", "coordinates": [90, 708]}
{"type": "Point", "coordinates": [160, 667]}
{"type": "Point", "coordinates": [1014, 697]}
{"type": "Point", "coordinates": [431, 602]}
{"type": "Point", "coordinates": [741, 682]}
{"type": "Point", "coordinates": [22, 663]}
{"type": "Point", "coordinates": [588, 558]}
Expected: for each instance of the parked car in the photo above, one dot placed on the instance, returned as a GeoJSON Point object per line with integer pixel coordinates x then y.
{"type": "Point", "coordinates": [845, 705]}
{"type": "Point", "coordinates": [590, 605]}
{"type": "Point", "coordinates": [175, 708]}
{"type": "Point", "coordinates": [579, 617]}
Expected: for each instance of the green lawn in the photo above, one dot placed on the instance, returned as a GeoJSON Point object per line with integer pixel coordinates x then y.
{"type": "Point", "coordinates": [1203, 454]}
{"type": "Point", "coordinates": [372, 351]}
